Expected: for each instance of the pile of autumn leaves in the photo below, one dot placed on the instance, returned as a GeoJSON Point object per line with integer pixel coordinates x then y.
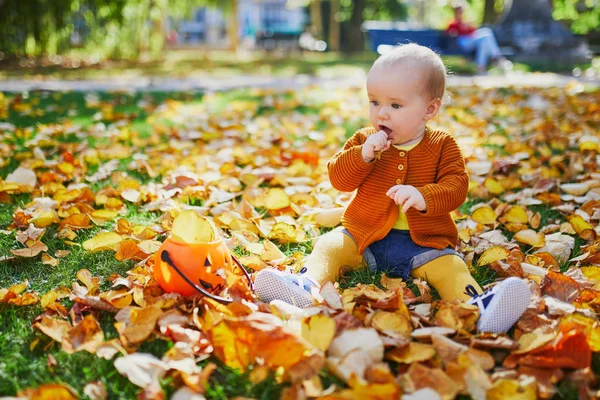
{"type": "Point", "coordinates": [262, 179]}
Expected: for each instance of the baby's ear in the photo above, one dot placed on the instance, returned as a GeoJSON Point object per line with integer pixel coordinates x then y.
{"type": "Point", "coordinates": [433, 108]}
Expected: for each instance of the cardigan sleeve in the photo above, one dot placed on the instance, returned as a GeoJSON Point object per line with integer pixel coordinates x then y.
{"type": "Point", "coordinates": [452, 182]}
{"type": "Point", "coordinates": [347, 169]}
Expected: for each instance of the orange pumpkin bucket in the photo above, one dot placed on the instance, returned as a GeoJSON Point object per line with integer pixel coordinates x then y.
{"type": "Point", "coordinates": [189, 268]}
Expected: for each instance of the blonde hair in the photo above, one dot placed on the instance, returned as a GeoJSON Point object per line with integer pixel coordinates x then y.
{"type": "Point", "coordinates": [435, 80]}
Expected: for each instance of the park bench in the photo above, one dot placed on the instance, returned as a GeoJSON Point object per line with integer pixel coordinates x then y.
{"type": "Point", "coordinates": [383, 34]}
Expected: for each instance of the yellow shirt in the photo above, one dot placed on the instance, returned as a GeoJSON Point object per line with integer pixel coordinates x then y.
{"type": "Point", "coordinates": [402, 222]}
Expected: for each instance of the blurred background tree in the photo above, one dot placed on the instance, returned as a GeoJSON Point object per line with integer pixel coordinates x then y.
{"type": "Point", "coordinates": [114, 28]}
{"type": "Point", "coordinates": [135, 29]}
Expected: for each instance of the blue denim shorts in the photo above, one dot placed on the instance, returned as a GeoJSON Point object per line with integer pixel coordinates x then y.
{"type": "Point", "coordinates": [398, 255]}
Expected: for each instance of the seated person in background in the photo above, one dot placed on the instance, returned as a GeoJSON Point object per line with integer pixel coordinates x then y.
{"type": "Point", "coordinates": [481, 40]}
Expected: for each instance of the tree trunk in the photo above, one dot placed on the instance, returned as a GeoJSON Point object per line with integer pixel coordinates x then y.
{"type": "Point", "coordinates": [334, 26]}
{"type": "Point", "coordinates": [489, 13]}
{"type": "Point", "coordinates": [232, 26]}
{"type": "Point", "coordinates": [316, 19]}
{"type": "Point", "coordinates": [355, 36]}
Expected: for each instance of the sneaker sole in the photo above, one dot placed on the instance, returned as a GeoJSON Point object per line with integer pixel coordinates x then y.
{"type": "Point", "coordinates": [269, 286]}
{"type": "Point", "coordinates": [509, 303]}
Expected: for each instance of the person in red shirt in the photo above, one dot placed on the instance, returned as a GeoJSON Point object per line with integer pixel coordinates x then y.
{"type": "Point", "coordinates": [481, 40]}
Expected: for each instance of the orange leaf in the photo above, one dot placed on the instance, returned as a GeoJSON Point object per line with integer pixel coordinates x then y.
{"type": "Point", "coordinates": [560, 286]}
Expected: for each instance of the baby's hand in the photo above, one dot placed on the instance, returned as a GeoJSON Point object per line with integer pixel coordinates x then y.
{"type": "Point", "coordinates": [408, 196]}
{"type": "Point", "coordinates": [377, 142]}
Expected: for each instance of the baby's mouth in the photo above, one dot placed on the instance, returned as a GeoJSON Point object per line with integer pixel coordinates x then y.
{"type": "Point", "coordinates": [385, 129]}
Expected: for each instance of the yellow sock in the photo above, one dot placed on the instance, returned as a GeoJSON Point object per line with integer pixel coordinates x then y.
{"type": "Point", "coordinates": [332, 251]}
{"type": "Point", "coordinates": [449, 275]}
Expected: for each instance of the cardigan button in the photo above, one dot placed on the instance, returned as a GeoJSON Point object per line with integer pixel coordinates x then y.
{"type": "Point", "coordinates": [400, 167]}
{"type": "Point", "coordinates": [402, 154]}
{"type": "Point", "coordinates": [399, 181]}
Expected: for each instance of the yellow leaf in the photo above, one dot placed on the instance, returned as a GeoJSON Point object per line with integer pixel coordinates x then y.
{"type": "Point", "coordinates": [47, 259]}
{"type": "Point", "coordinates": [283, 233]}
{"type": "Point", "coordinates": [583, 228]}
{"type": "Point", "coordinates": [276, 199]}
{"type": "Point", "coordinates": [100, 217]}
{"type": "Point", "coordinates": [51, 391]}
{"type": "Point", "coordinates": [510, 389]}
{"type": "Point", "coordinates": [119, 298]}
{"type": "Point", "coordinates": [493, 186]}
{"type": "Point", "coordinates": [531, 237]}
{"type": "Point", "coordinates": [319, 330]}
{"type": "Point", "coordinates": [516, 214]}
{"type": "Point", "coordinates": [412, 353]}
{"type": "Point", "coordinates": [494, 253]}
{"type": "Point", "coordinates": [189, 227]}
{"type": "Point", "coordinates": [392, 321]}
{"type": "Point", "coordinates": [103, 241]}
{"type": "Point", "coordinates": [484, 215]}
{"type": "Point", "coordinates": [45, 219]}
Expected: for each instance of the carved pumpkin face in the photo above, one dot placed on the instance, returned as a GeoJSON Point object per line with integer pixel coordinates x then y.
{"type": "Point", "coordinates": [199, 262]}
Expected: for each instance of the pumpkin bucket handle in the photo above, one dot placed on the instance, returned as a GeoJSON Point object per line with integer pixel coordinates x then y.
{"type": "Point", "coordinates": [166, 257]}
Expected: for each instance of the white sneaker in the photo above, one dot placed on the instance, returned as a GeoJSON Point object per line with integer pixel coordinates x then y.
{"type": "Point", "coordinates": [271, 284]}
{"type": "Point", "coordinates": [502, 305]}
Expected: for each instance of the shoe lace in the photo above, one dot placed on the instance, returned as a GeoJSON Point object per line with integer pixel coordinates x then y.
{"type": "Point", "coordinates": [471, 291]}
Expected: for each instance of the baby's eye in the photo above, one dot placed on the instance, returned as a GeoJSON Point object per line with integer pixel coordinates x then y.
{"type": "Point", "coordinates": [375, 103]}
{"type": "Point", "coordinates": [396, 106]}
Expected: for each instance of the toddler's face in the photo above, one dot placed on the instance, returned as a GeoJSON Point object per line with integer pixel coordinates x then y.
{"type": "Point", "coordinates": [398, 103]}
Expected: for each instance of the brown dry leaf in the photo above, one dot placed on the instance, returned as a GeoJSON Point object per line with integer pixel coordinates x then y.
{"type": "Point", "coordinates": [89, 281]}
{"type": "Point", "coordinates": [54, 328]}
{"type": "Point", "coordinates": [135, 324]}
{"type": "Point", "coordinates": [412, 353]}
{"type": "Point", "coordinates": [76, 221]}
{"type": "Point", "coordinates": [47, 259]}
{"type": "Point", "coordinates": [560, 286]}
{"type": "Point", "coordinates": [143, 370]}
{"type": "Point", "coordinates": [129, 250]}
{"type": "Point", "coordinates": [95, 390]}
{"type": "Point", "coordinates": [238, 341]}
{"type": "Point", "coordinates": [32, 251]}
{"type": "Point", "coordinates": [392, 283]}
{"type": "Point", "coordinates": [119, 298]}
{"type": "Point", "coordinates": [460, 317]}
{"type": "Point", "coordinates": [386, 321]}
{"type": "Point", "coordinates": [419, 376]}
{"type": "Point", "coordinates": [86, 335]}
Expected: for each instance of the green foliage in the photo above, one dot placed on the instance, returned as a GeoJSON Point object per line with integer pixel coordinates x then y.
{"type": "Point", "coordinates": [107, 28]}
{"type": "Point", "coordinates": [583, 16]}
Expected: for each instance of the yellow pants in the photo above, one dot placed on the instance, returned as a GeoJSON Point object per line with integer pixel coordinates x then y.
{"type": "Point", "coordinates": [448, 274]}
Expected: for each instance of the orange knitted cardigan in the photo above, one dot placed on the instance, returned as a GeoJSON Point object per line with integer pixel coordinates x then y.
{"type": "Point", "coordinates": [435, 167]}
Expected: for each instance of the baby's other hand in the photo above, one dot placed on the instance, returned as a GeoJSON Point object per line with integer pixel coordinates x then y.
{"type": "Point", "coordinates": [377, 142]}
{"type": "Point", "coordinates": [408, 196]}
